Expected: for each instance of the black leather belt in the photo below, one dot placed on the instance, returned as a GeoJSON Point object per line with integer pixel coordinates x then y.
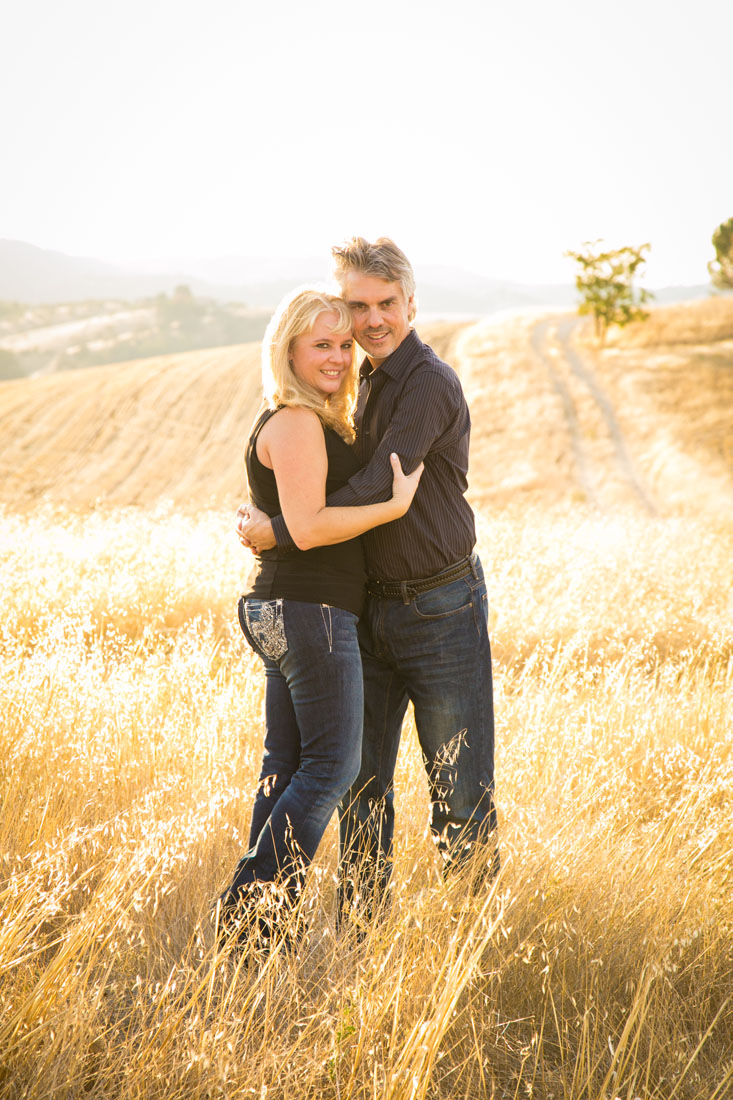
{"type": "Point", "coordinates": [407, 590]}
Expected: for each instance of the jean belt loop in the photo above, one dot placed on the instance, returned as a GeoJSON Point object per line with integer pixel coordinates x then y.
{"type": "Point", "coordinates": [403, 590]}
{"type": "Point", "coordinates": [474, 565]}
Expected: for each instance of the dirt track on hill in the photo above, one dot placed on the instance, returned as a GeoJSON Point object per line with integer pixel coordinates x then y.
{"type": "Point", "coordinates": [604, 468]}
{"type": "Point", "coordinates": [555, 425]}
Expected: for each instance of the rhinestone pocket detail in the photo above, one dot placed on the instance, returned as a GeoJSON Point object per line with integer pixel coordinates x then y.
{"type": "Point", "coordinates": [268, 628]}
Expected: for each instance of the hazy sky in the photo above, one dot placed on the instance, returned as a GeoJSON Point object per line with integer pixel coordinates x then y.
{"type": "Point", "coordinates": [487, 134]}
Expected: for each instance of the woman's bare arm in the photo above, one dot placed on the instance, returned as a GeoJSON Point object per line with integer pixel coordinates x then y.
{"type": "Point", "coordinates": [292, 444]}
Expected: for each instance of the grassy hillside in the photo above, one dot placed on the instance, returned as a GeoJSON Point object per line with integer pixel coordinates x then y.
{"type": "Point", "coordinates": [173, 427]}
{"type": "Point", "coordinates": [170, 428]}
{"type": "Point", "coordinates": [131, 433]}
{"type": "Point", "coordinates": [600, 965]}
{"type": "Point", "coordinates": [672, 377]}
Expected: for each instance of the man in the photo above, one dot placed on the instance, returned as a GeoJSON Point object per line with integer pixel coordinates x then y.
{"type": "Point", "coordinates": [424, 634]}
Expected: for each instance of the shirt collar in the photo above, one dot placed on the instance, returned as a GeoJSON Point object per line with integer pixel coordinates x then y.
{"type": "Point", "coordinates": [395, 364]}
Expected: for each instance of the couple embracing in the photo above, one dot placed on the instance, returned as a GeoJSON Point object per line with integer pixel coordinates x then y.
{"type": "Point", "coordinates": [368, 594]}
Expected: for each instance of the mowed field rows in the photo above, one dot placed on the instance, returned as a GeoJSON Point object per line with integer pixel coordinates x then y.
{"type": "Point", "coordinates": [599, 965]}
{"type": "Point", "coordinates": [131, 433]}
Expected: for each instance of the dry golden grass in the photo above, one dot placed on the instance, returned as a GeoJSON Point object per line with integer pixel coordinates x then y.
{"type": "Point", "coordinates": [131, 433]}
{"type": "Point", "coordinates": [600, 965]}
{"type": "Point", "coordinates": [706, 321]}
{"type": "Point", "coordinates": [672, 380]}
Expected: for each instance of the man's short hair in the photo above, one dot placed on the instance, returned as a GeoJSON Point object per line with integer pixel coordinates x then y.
{"type": "Point", "coordinates": [382, 259]}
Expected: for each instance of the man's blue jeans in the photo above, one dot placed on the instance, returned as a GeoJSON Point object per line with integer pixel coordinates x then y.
{"type": "Point", "coordinates": [433, 650]}
{"type": "Point", "coordinates": [313, 726]}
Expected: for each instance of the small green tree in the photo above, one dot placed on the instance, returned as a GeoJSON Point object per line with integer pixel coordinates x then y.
{"type": "Point", "coordinates": [721, 268]}
{"type": "Point", "coordinates": [605, 283]}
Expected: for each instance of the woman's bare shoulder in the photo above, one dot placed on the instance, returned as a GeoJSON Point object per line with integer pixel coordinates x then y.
{"type": "Point", "coordinates": [295, 414]}
{"type": "Point", "coordinates": [293, 427]}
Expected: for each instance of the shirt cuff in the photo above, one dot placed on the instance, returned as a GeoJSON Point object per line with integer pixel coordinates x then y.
{"type": "Point", "coordinates": [281, 533]}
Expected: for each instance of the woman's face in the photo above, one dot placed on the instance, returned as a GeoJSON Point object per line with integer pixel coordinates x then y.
{"type": "Point", "coordinates": [322, 358]}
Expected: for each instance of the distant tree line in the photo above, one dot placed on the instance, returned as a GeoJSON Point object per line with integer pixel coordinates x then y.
{"type": "Point", "coordinates": [9, 366]}
{"type": "Point", "coordinates": [166, 324]}
{"type": "Point", "coordinates": [201, 322]}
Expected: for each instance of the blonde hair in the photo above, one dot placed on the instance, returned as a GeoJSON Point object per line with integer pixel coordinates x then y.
{"type": "Point", "coordinates": [382, 259]}
{"type": "Point", "coordinates": [297, 314]}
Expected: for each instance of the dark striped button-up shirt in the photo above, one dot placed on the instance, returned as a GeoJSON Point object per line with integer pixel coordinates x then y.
{"type": "Point", "coordinates": [412, 404]}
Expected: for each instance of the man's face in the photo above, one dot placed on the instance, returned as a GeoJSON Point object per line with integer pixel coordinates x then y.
{"type": "Point", "coordinates": [380, 311]}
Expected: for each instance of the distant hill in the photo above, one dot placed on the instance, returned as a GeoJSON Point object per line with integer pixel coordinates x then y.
{"type": "Point", "coordinates": [34, 275]}
{"type": "Point", "coordinates": [30, 274]}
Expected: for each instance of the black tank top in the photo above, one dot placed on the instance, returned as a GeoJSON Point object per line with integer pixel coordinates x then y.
{"type": "Point", "coordinates": [333, 575]}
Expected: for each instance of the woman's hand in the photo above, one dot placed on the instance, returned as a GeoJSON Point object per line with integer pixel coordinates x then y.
{"type": "Point", "coordinates": [254, 528]}
{"type": "Point", "coordinates": [404, 486]}
{"type": "Point", "coordinates": [242, 520]}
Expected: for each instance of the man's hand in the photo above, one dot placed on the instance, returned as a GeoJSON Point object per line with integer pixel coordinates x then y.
{"type": "Point", "coordinates": [254, 528]}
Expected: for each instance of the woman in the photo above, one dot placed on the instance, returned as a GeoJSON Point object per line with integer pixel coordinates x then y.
{"type": "Point", "coordinates": [301, 611]}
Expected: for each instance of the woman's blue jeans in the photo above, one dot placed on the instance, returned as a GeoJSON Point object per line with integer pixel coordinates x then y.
{"type": "Point", "coordinates": [314, 706]}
